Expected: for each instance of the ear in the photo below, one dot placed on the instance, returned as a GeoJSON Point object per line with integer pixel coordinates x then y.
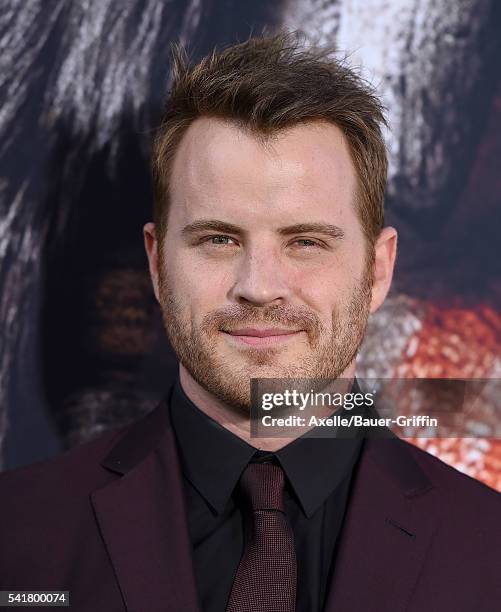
{"type": "Point", "coordinates": [151, 247]}
{"type": "Point", "coordinates": [385, 254]}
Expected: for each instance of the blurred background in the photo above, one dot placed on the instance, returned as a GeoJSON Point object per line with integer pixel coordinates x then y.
{"type": "Point", "coordinates": [82, 348]}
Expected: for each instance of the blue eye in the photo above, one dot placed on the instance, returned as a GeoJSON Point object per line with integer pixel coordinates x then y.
{"type": "Point", "coordinates": [220, 239]}
{"type": "Point", "coordinates": [310, 243]}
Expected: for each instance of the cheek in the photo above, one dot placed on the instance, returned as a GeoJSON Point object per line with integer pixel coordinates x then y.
{"type": "Point", "coordinates": [323, 284]}
{"type": "Point", "coordinates": [329, 288]}
{"type": "Point", "coordinates": [318, 293]}
{"type": "Point", "coordinates": [202, 290]}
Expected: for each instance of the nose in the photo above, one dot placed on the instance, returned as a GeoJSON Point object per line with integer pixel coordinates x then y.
{"type": "Point", "coordinates": [261, 279]}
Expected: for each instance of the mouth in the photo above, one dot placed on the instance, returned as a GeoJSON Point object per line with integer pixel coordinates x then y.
{"type": "Point", "coordinates": [261, 337]}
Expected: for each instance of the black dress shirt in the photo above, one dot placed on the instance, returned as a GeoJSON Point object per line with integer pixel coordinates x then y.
{"type": "Point", "coordinates": [318, 474]}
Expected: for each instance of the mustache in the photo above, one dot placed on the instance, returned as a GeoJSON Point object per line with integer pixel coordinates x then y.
{"type": "Point", "coordinates": [226, 318]}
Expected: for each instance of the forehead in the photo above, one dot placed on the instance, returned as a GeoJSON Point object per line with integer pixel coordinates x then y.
{"type": "Point", "coordinates": [306, 168]}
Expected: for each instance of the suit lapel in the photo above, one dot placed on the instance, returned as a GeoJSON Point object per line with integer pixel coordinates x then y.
{"type": "Point", "coordinates": [142, 519]}
{"type": "Point", "coordinates": [389, 527]}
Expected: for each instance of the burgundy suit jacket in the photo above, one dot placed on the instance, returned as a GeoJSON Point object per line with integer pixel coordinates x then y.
{"type": "Point", "coordinates": [107, 522]}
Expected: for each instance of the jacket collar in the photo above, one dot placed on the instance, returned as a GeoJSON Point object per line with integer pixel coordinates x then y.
{"type": "Point", "coordinates": [140, 438]}
{"type": "Point", "coordinates": [142, 518]}
{"type": "Point", "coordinates": [391, 520]}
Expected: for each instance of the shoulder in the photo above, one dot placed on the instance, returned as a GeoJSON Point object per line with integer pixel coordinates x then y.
{"type": "Point", "coordinates": [468, 508]}
{"type": "Point", "coordinates": [80, 470]}
{"type": "Point", "coordinates": [75, 471]}
{"type": "Point", "coordinates": [46, 516]}
{"type": "Point", "coordinates": [419, 475]}
{"type": "Point", "coordinates": [460, 512]}
{"type": "Point", "coordinates": [458, 486]}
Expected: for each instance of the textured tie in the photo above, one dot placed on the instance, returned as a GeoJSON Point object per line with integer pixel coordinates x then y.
{"type": "Point", "coordinates": [266, 577]}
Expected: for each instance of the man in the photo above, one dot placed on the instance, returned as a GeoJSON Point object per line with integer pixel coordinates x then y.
{"type": "Point", "coordinates": [267, 255]}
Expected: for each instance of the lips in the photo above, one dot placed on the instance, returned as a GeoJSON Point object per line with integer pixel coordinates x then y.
{"type": "Point", "coordinates": [261, 338]}
{"type": "Point", "coordinates": [261, 333]}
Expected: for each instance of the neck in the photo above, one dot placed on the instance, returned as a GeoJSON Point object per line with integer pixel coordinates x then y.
{"type": "Point", "coordinates": [236, 422]}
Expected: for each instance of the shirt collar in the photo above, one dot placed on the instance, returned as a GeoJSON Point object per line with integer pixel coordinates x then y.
{"type": "Point", "coordinates": [213, 458]}
{"type": "Point", "coordinates": [316, 466]}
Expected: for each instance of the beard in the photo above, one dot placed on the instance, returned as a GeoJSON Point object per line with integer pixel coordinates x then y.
{"type": "Point", "coordinates": [228, 378]}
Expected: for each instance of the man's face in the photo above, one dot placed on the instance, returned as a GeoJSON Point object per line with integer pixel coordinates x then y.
{"type": "Point", "coordinates": [263, 239]}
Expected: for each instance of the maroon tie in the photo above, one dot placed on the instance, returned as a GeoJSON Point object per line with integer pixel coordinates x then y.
{"type": "Point", "coordinates": [266, 577]}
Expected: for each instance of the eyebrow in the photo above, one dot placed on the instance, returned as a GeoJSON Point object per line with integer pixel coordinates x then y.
{"type": "Point", "coordinates": [332, 231]}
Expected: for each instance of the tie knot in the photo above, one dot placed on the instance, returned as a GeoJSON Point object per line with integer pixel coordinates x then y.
{"type": "Point", "coordinates": [262, 484]}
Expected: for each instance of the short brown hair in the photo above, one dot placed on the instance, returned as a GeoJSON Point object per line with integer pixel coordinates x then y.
{"type": "Point", "coordinates": [267, 84]}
